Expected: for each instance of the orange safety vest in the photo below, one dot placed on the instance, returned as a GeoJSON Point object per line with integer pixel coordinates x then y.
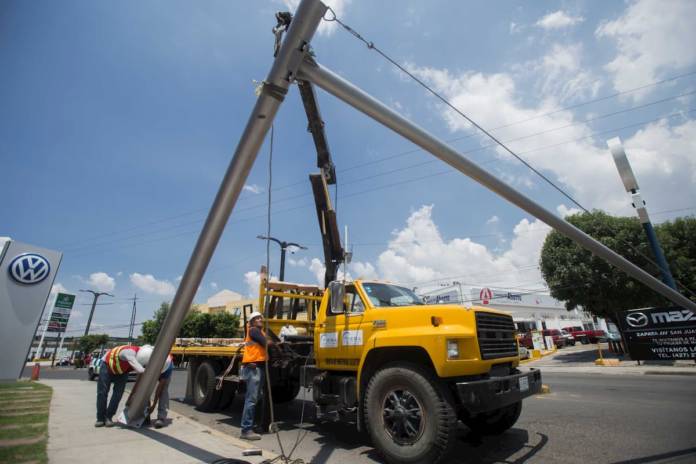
{"type": "Point", "coordinates": [253, 352]}
{"type": "Point", "coordinates": [118, 366]}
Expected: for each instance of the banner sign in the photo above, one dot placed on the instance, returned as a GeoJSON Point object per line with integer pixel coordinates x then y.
{"type": "Point", "coordinates": [61, 312]}
{"type": "Point", "coordinates": [661, 334]}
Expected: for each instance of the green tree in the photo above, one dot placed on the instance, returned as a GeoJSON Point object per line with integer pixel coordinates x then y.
{"type": "Point", "coordinates": [195, 325]}
{"type": "Point", "coordinates": [580, 278]}
{"type": "Point", "coordinates": [678, 239]}
{"type": "Point", "coordinates": [152, 327]}
{"type": "Point", "coordinates": [88, 343]}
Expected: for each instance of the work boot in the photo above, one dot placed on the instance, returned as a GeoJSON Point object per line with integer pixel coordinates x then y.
{"type": "Point", "coordinates": [250, 435]}
{"type": "Point", "coordinates": [159, 423]}
{"type": "Point", "coordinates": [108, 422]}
{"type": "Point", "coordinates": [99, 423]}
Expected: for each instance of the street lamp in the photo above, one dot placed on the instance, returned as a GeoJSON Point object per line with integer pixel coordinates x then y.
{"type": "Point", "coordinates": [631, 184]}
{"type": "Point", "coordinates": [96, 296]}
{"type": "Point", "coordinates": [283, 247]}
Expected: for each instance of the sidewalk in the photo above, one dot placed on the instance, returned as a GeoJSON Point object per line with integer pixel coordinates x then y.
{"type": "Point", "coordinates": [72, 437]}
{"type": "Point", "coordinates": [580, 359]}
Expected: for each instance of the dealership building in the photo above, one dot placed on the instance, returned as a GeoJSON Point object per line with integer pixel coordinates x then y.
{"type": "Point", "coordinates": [530, 311]}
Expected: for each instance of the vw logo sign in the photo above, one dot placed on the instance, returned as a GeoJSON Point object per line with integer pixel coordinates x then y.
{"type": "Point", "coordinates": [637, 320]}
{"type": "Point", "coordinates": [29, 268]}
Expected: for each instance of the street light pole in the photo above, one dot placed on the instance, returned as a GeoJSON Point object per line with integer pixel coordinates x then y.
{"type": "Point", "coordinates": [631, 184]}
{"type": "Point", "coordinates": [96, 296]}
{"type": "Point", "coordinates": [283, 248]}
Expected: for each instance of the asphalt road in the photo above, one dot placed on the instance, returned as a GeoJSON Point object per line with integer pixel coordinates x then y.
{"type": "Point", "coordinates": [587, 418]}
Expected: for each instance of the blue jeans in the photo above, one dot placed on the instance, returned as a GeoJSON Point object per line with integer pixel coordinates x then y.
{"type": "Point", "coordinates": [254, 381]}
{"type": "Point", "coordinates": [106, 378]}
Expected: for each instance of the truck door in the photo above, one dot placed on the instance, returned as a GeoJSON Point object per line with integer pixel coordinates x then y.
{"type": "Point", "coordinates": [342, 332]}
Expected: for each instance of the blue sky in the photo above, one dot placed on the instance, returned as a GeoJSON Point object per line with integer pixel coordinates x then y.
{"type": "Point", "coordinates": [118, 121]}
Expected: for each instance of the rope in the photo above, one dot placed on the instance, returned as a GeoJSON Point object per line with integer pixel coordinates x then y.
{"type": "Point", "coordinates": [370, 45]}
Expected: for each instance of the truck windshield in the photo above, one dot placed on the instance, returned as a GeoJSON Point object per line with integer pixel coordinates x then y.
{"type": "Point", "coordinates": [382, 295]}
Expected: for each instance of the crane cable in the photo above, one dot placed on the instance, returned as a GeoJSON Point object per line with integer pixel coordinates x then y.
{"type": "Point", "coordinates": [370, 45]}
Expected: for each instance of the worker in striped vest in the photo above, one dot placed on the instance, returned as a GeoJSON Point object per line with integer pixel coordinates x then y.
{"type": "Point", "coordinates": [115, 366]}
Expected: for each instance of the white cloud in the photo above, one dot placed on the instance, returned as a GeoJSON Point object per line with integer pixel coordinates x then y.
{"type": "Point", "coordinates": [317, 268]}
{"type": "Point", "coordinates": [577, 162]}
{"type": "Point", "coordinates": [418, 253]}
{"type": "Point", "coordinates": [325, 27]}
{"type": "Point", "coordinates": [119, 274]}
{"type": "Point", "coordinates": [493, 220]}
{"type": "Point", "coordinates": [302, 262]}
{"type": "Point", "coordinates": [148, 283]}
{"type": "Point", "coordinates": [101, 282]}
{"type": "Point", "coordinates": [558, 20]}
{"type": "Point", "coordinates": [58, 288]}
{"type": "Point", "coordinates": [253, 188]}
{"type": "Point", "coordinates": [213, 285]}
{"type": "Point", "coordinates": [253, 281]}
{"type": "Point", "coordinates": [178, 279]}
{"type": "Point", "coordinates": [651, 37]}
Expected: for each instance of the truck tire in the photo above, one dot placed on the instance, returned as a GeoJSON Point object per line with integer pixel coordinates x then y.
{"type": "Point", "coordinates": [205, 396]}
{"type": "Point", "coordinates": [495, 422]}
{"type": "Point", "coordinates": [285, 393]}
{"type": "Point", "coordinates": [229, 390]}
{"type": "Point", "coordinates": [409, 416]}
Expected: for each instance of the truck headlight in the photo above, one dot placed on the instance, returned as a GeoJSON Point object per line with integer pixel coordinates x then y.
{"type": "Point", "coordinates": [452, 349]}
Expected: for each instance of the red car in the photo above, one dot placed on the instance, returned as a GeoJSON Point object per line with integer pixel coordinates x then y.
{"type": "Point", "coordinates": [586, 336]}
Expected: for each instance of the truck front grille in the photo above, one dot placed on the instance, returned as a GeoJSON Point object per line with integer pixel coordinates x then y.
{"type": "Point", "coordinates": [496, 335]}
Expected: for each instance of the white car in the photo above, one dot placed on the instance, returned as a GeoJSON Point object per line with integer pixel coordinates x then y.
{"type": "Point", "coordinates": [96, 364]}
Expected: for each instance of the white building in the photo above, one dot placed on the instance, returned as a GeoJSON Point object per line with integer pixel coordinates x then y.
{"type": "Point", "coordinates": [530, 311]}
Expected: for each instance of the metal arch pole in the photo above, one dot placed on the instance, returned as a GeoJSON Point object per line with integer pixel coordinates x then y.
{"type": "Point", "coordinates": [307, 18]}
{"type": "Point", "coordinates": [362, 101]}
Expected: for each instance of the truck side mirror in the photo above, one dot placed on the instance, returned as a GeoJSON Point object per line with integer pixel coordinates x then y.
{"type": "Point", "coordinates": [337, 292]}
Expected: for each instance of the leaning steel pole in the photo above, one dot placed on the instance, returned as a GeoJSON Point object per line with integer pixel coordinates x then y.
{"type": "Point", "coordinates": [283, 72]}
{"type": "Point", "coordinates": [362, 101]}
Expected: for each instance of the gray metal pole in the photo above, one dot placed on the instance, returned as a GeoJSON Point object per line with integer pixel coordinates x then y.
{"type": "Point", "coordinates": [283, 71]}
{"type": "Point", "coordinates": [373, 108]}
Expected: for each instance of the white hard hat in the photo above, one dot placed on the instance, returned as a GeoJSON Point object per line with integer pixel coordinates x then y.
{"type": "Point", "coordinates": [254, 315]}
{"type": "Point", "coordinates": [143, 355]}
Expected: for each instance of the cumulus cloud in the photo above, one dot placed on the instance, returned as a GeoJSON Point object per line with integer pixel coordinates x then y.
{"type": "Point", "coordinates": [418, 253]}
{"type": "Point", "coordinates": [651, 37]}
{"type": "Point", "coordinates": [302, 262]}
{"type": "Point", "coordinates": [213, 285]}
{"type": "Point", "coordinates": [253, 188]}
{"type": "Point", "coordinates": [253, 281]}
{"type": "Point", "coordinates": [101, 282]}
{"type": "Point", "coordinates": [562, 75]}
{"type": "Point", "coordinates": [149, 284]}
{"type": "Point", "coordinates": [578, 162]}
{"type": "Point", "coordinates": [325, 27]}
{"type": "Point", "coordinates": [493, 220]}
{"type": "Point", "coordinates": [558, 20]}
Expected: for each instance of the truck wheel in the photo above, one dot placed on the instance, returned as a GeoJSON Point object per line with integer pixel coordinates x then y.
{"type": "Point", "coordinates": [285, 393]}
{"type": "Point", "coordinates": [495, 422]}
{"type": "Point", "coordinates": [229, 390]}
{"type": "Point", "coordinates": [205, 396]}
{"type": "Point", "coordinates": [410, 418]}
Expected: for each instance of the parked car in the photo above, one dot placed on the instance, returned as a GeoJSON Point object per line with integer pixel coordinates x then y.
{"type": "Point", "coordinates": [569, 339]}
{"type": "Point", "coordinates": [586, 336]}
{"type": "Point", "coordinates": [557, 336]}
{"type": "Point", "coordinates": [63, 361]}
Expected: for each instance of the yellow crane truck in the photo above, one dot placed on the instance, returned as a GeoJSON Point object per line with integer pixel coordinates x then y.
{"type": "Point", "coordinates": [409, 370]}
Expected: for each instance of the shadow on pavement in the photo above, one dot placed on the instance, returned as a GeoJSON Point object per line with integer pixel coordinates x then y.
{"type": "Point", "coordinates": [661, 457]}
{"type": "Point", "coordinates": [181, 446]}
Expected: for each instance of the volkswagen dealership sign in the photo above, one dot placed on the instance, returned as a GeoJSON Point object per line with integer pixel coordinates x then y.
{"type": "Point", "coordinates": [660, 333]}
{"type": "Point", "coordinates": [26, 277]}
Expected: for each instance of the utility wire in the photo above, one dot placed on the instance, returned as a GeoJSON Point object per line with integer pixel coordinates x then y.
{"type": "Point", "coordinates": [370, 45]}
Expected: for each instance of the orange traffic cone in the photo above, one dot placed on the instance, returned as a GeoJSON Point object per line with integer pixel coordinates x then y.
{"type": "Point", "coordinates": [35, 371]}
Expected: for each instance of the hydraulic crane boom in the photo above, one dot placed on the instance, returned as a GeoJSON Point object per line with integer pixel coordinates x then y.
{"type": "Point", "coordinates": [334, 254]}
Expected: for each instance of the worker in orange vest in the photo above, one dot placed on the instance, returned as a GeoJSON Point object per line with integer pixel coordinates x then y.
{"type": "Point", "coordinates": [115, 366]}
{"type": "Point", "coordinates": [253, 371]}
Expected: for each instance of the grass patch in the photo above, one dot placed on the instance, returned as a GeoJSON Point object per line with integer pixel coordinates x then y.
{"type": "Point", "coordinates": [27, 426]}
